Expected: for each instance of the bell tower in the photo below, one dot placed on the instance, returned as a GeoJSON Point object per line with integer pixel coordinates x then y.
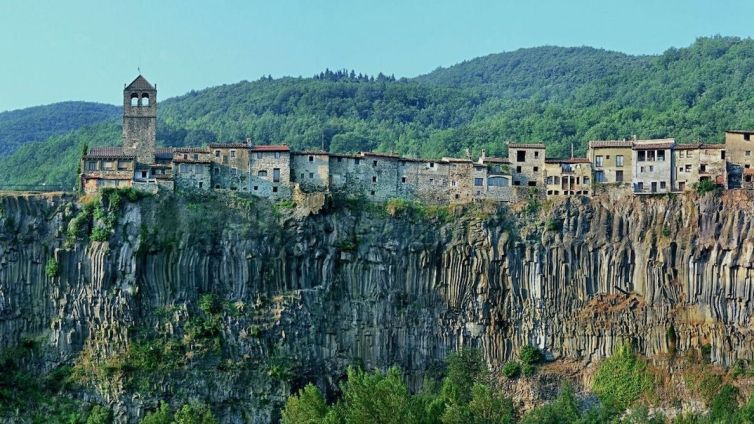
{"type": "Point", "coordinates": [140, 120]}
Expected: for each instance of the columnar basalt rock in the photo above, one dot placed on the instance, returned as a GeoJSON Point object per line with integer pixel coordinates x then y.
{"type": "Point", "coordinates": [353, 284]}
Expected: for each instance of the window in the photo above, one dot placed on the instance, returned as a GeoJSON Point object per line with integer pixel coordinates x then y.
{"type": "Point", "coordinates": [262, 173]}
{"type": "Point", "coordinates": [521, 156]}
{"type": "Point", "coordinates": [662, 185]}
{"type": "Point", "coordinates": [311, 158]}
{"type": "Point", "coordinates": [431, 164]}
{"type": "Point", "coordinates": [682, 185]}
{"type": "Point", "coordinates": [497, 182]}
{"type": "Point", "coordinates": [277, 155]}
{"type": "Point", "coordinates": [403, 180]}
{"type": "Point", "coordinates": [134, 100]}
{"type": "Point", "coordinates": [274, 189]}
{"type": "Point", "coordinates": [143, 174]}
{"type": "Point", "coordinates": [457, 196]}
{"type": "Point", "coordinates": [641, 154]}
{"type": "Point", "coordinates": [549, 181]}
{"type": "Point", "coordinates": [641, 169]}
{"type": "Point", "coordinates": [722, 154]}
{"type": "Point", "coordinates": [651, 168]}
{"type": "Point", "coordinates": [599, 161]}
{"type": "Point", "coordinates": [681, 154]}
{"type": "Point", "coordinates": [201, 184]}
{"type": "Point", "coordinates": [256, 188]}
{"type": "Point", "coordinates": [371, 192]}
{"type": "Point", "coordinates": [518, 169]}
{"type": "Point", "coordinates": [688, 168]}
{"type": "Point", "coordinates": [259, 155]}
{"type": "Point", "coordinates": [107, 165]}
{"type": "Point", "coordinates": [234, 171]}
{"type": "Point", "coordinates": [599, 176]}
{"type": "Point", "coordinates": [145, 99]}
{"type": "Point", "coordinates": [374, 163]}
{"type": "Point", "coordinates": [586, 180]}
{"type": "Point", "coordinates": [182, 168]}
{"type": "Point", "coordinates": [196, 156]}
{"type": "Point", "coordinates": [747, 153]}
{"type": "Point", "coordinates": [431, 181]}
{"type": "Point", "coordinates": [532, 183]}
{"type": "Point", "coordinates": [651, 155]}
{"type": "Point", "coordinates": [185, 156]}
{"type": "Point", "coordinates": [91, 165]}
{"type": "Point", "coordinates": [747, 137]}
{"type": "Point", "coordinates": [357, 161]}
{"type": "Point", "coordinates": [217, 171]}
{"type": "Point", "coordinates": [339, 160]}
{"type": "Point", "coordinates": [607, 157]}
{"type": "Point", "coordinates": [311, 175]}
{"type": "Point", "coordinates": [217, 153]}
{"type": "Point", "coordinates": [536, 155]}
{"type": "Point", "coordinates": [478, 182]}
{"type": "Point", "coordinates": [516, 183]}
{"type": "Point", "coordinates": [689, 154]}
{"type": "Point", "coordinates": [374, 179]}
{"type": "Point", "coordinates": [618, 176]}
{"type": "Point", "coordinates": [536, 169]}
{"type": "Point", "coordinates": [702, 168]}
{"type": "Point", "coordinates": [618, 160]}
{"type": "Point", "coordinates": [232, 153]}
{"type": "Point", "coordinates": [661, 155]}
{"type": "Point", "coordinates": [276, 175]}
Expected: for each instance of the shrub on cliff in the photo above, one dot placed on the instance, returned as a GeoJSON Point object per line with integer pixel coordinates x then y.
{"type": "Point", "coordinates": [99, 415]}
{"type": "Point", "coordinates": [563, 410]}
{"type": "Point", "coordinates": [512, 369]}
{"type": "Point", "coordinates": [195, 413]}
{"type": "Point", "coordinates": [705, 186]}
{"type": "Point", "coordinates": [160, 416]}
{"type": "Point", "coordinates": [51, 268]}
{"type": "Point", "coordinates": [622, 379]}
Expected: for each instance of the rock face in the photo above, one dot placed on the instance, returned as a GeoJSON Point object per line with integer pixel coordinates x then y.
{"type": "Point", "coordinates": [299, 299]}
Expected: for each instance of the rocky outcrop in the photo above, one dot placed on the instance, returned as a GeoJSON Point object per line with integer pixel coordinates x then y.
{"type": "Point", "coordinates": [300, 298]}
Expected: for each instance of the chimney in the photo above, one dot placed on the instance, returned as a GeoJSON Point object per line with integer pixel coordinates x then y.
{"type": "Point", "coordinates": [571, 150]}
{"type": "Point", "coordinates": [483, 157]}
{"type": "Point", "coordinates": [468, 153]}
{"type": "Point", "coordinates": [248, 141]}
{"type": "Point", "coordinates": [634, 136]}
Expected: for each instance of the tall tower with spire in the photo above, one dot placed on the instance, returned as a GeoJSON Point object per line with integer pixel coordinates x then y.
{"type": "Point", "coordinates": [140, 120]}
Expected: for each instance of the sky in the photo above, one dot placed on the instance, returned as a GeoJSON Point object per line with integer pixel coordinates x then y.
{"type": "Point", "coordinates": [86, 50]}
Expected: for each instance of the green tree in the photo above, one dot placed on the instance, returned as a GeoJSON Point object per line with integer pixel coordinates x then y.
{"type": "Point", "coordinates": [195, 413]}
{"type": "Point", "coordinates": [622, 378]}
{"type": "Point", "coordinates": [99, 415]}
{"type": "Point", "coordinates": [160, 416]}
{"type": "Point", "coordinates": [375, 398]}
{"type": "Point", "coordinates": [306, 407]}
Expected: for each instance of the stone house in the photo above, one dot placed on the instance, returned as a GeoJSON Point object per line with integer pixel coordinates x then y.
{"type": "Point", "coordinates": [192, 168]}
{"type": "Point", "coordinates": [269, 171]}
{"type": "Point", "coordinates": [611, 161]}
{"type": "Point", "coordinates": [106, 167]}
{"type": "Point", "coordinates": [568, 177]}
{"type": "Point", "coordinates": [739, 145]}
{"type": "Point", "coordinates": [527, 164]}
{"type": "Point", "coordinates": [652, 166]}
{"type": "Point", "coordinates": [230, 165]}
{"type": "Point", "coordinates": [466, 180]}
{"type": "Point", "coordinates": [311, 170]}
{"type": "Point", "coordinates": [695, 162]}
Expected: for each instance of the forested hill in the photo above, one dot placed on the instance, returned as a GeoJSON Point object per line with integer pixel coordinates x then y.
{"type": "Point", "coordinates": [551, 94]}
{"type": "Point", "coordinates": [38, 123]}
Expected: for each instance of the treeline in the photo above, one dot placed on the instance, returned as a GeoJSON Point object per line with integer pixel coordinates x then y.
{"type": "Point", "coordinates": [562, 96]}
{"type": "Point", "coordinates": [623, 384]}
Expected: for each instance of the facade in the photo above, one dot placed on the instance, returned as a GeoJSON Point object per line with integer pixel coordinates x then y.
{"type": "Point", "coordinates": [697, 162]}
{"type": "Point", "coordinates": [568, 177]}
{"type": "Point", "coordinates": [652, 166]}
{"type": "Point", "coordinates": [611, 161]}
{"type": "Point", "coordinates": [269, 171]}
{"type": "Point", "coordinates": [739, 145]}
{"type": "Point", "coordinates": [312, 170]}
{"type": "Point", "coordinates": [527, 163]}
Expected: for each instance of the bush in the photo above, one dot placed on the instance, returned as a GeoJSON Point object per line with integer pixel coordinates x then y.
{"type": "Point", "coordinates": [621, 379]}
{"type": "Point", "coordinates": [195, 413]}
{"type": "Point", "coordinates": [563, 410]}
{"type": "Point", "coordinates": [99, 415]}
{"type": "Point", "coordinates": [52, 268]}
{"type": "Point", "coordinates": [528, 370]}
{"type": "Point", "coordinates": [705, 186]}
{"type": "Point", "coordinates": [512, 369]}
{"type": "Point", "coordinates": [465, 367]}
{"type": "Point", "coordinates": [553, 224]}
{"type": "Point", "coordinates": [724, 405]}
{"type": "Point", "coordinates": [530, 355]}
{"type": "Point", "coordinates": [210, 304]}
{"type": "Point", "coordinates": [161, 416]}
{"type": "Point", "coordinates": [666, 231]}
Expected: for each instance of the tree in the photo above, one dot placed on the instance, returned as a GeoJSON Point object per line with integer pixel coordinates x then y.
{"type": "Point", "coordinates": [160, 416]}
{"type": "Point", "coordinates": [195, 413]}
{"type": "Point", "coordinates": [306, 407]}
{"type": "Point", "coordinates": [375, 398]}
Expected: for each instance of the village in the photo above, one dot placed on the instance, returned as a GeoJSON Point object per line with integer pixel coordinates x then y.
{"type": "Point", "coordinates": [274, 171]}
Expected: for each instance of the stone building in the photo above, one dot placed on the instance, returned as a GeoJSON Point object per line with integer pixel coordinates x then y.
{"type": "Point", "coordinates": [311, 171]}
{"type": "Point", "coordinates": [192, 168]}
{"type": "Point", "coordinates": [568, 177]}
{"type": "Point", "coordinates": [527, 164]}
{"type": "Point", "coordinates": [652, 166]}
{"type": "Point", "coordinates": [611, 161]}
{"type": "Point", "coordinates": [270, 171]}
{"type": "Point", "coordinates": [739, 145]}
{"type": "Point", "coordinates": [696, 162]}
{"type": "Point", "coordinates": [106, 167]}
{"type": "Point", "coordinates": [467, 181]}
{"type": "Point", "coordinates": [140, 120]}
{"type": "Point", "coordinates": [230, 166]}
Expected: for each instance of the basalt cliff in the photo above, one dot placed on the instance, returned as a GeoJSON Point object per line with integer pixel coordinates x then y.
{"type": "Point", "coordinates": [237, 301]}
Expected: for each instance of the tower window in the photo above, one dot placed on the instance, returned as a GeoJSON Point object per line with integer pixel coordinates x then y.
{"type": "Point", "coordinates": [145, 99]}
{"type": "Point", "coordinates": [134, 100]}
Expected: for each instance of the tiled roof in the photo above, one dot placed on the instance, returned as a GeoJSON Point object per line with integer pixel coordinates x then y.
{"type": "Point", "coordinates": [740, 131]}
{"type": "Point", "coordinates": [189, 160]}
{"type": "Point", "coordinates": [712, 146]}
{"type": "Point", "coordinates": [107, 153]}
{"type": "Point", "coordinates": [312, 153]}
{"type": "Point", "coordinates": [380, 155]}
{"type": "Point", "coordinates": [665, 143]}
{"type": "Point", "coordinates": [163, 153]}
{"type": "Point", "coordinates": [228, 146]}
{"type": "Point", "coordinates": [192, 149]}
{"type": "Point", "coordinates": [140, 83]}
{"type": "Point", "coordinates": [271, 148]}
{"type": "Point", "coordinates": [526, 146]}
{"type": "Point", "coordinates": [687, 146]}
{"type": "Point", "coordinates": [457, 160]}
{"type": "Point", "coordinates": [496, 160]}
{"type": "Point", "coordinates": [609, 143]}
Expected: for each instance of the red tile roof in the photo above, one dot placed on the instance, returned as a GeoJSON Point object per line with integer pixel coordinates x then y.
{"type": "Point", "coordinates": [688, 146]}
{"type": "Point", "coordinates": [665, 143]}
{"type": "Point", "coordinates": [192, 149]}
{"type": "Point", "coordinates": [712, 146]}
{"type": "Point", "coordinates": [108, 153]}
{"type": "Point", "coordinates": [228, 146]}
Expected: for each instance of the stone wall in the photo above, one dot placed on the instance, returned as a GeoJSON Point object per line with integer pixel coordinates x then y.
{"type": "Point", "coordinates": [311, 170]}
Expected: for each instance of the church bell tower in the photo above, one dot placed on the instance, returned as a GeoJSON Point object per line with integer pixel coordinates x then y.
{"type": "Point", "coordinates": [140, 120]}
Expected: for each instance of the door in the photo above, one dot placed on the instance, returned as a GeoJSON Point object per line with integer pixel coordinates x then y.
{"type": "Point", "coordinates": [654, 187]}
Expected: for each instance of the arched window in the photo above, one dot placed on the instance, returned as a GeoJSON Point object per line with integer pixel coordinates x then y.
{"type": "Point", "coordinates": [145, 99]}
{"type": "Point", "coordinates": [134, 100]}
{"type": "Point", "coordinates": [262, 174]}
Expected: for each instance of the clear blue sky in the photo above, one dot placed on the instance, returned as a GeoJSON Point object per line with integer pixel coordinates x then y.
{"type": "Point", "coordinates": [85, 50]}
